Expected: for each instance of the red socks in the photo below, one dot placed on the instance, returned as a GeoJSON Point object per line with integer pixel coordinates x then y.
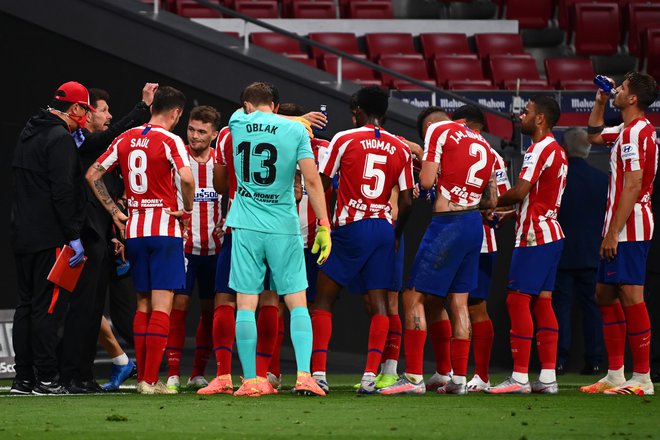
{"type": "Point", "coordinates": [482, 344]}
{"type": "Point", "coordinates": [547, 332]}
{"type": "Point", "coordinates": [393, 342]}
{"type": "Point", "coordinates": [414, 350]}
{"type": "Point", "coordinates": [322, 330]}
{"type": "Point", "coordinates": [614, 334]}
{"type": "Point", "coordinates": [156, 340]}
{"type": "Point", "coordinates": [377, 337]}
{"type": "Point", "coordinates": [140, 323]}
{"type": "Point", "coordinates": [274, 366]}
{"type": "Point", "coordinates": [522, 330]}
{"type": "Point", "coordinates": [175, 341]}
{"type": "Point", "coordinates": [639, 336]}
{"type": "Point", "coordinates": [224, 331]}
{"type": "Point", "coordinates": [460, 351]}
{"type": "Point", "coordinates": [203, 343]}
{"type": "Point", "coordinates": [440, 332]}
{"type": "Point", "coordinates": [266, 337]}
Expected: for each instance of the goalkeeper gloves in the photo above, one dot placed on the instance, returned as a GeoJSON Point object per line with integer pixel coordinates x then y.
{"type": "Point", "coordinates": [306, 124]}
{"type": "Point", "coordinates": [322, 242]}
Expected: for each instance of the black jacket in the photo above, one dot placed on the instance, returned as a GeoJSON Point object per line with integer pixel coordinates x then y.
{"type": "Point", "coordinates": [48, 195]}
{"type": "Point", "coordinates": [94, 145]}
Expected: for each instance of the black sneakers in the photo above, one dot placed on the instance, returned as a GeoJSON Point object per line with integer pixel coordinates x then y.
{"type": "Point", "coordinates": [84, 387]}
{"type": "Point", "coordinates": [21, 387]}
{"type": "Point", "coordinates": [49, 388]}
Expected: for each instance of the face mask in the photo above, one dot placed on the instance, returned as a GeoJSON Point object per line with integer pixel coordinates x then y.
{"type": "Point", "coordinates": [80, 120]}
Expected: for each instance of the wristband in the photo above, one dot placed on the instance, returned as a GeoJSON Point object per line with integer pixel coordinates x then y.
{"type": "Point", "coordinates": [323, 222]}
{"type": "Point", "coordinates": [594, 130]}
{"type": "Point", "coordinates": [188, 212]}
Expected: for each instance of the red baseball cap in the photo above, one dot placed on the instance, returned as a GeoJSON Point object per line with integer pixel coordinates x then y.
{"type": "Point", "coordinates": [74, 92]}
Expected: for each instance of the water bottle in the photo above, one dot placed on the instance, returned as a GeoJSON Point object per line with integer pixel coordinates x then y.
{"type": "Point", "coordinates": [605, 84]}
{"type": "Point", "coordinates": [323, 109]}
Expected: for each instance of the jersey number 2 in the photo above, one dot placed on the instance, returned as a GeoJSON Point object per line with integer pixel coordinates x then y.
{"type": "Point", "coordinates": [477, 150]}
{"type": "Point", "coordinates": [261, 177]}
{"type": "Point", "coordinates": [137, 171]}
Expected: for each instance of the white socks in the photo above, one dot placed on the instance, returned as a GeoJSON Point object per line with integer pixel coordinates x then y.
{"type": "Point", "coordinates": [389, 367]}
{"type": "Point", "coordinates": [520, 377]}
{"type": "Point", "coordinates": [415, 378]}
{"type": "Point", "coordinates": [548, 376]}
{"type": "Point", "coordinates": [120, 360]}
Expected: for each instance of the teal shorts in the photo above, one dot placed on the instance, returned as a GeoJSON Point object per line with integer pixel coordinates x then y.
{"type": "Point", "coordinates": [253, 251]}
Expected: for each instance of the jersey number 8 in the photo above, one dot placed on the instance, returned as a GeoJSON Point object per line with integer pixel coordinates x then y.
{"type": "Point", "coordinates": [137, 171]}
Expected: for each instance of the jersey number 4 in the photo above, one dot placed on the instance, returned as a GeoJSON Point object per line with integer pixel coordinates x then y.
{"type": "Point", "coordinates": [266, 154]}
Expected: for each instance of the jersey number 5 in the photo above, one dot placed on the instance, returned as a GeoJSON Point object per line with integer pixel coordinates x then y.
{"type": "Point", "coordinates": [137, 171]}
{"type": "Point", "coordinates": [374, 190]}
{"type": "Point", "coordinates": [263, 178]}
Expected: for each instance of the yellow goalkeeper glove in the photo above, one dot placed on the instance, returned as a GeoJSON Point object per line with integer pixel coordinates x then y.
{"type": "Point", "coordinates": [306, 124]}
{"type": "Point", "coordinates": [322, 243]}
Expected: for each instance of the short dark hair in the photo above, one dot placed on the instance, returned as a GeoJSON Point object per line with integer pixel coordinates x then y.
{"type": "Point", "coordinates": [291, 109]}
{"type": "Point", "coordinates": [206, 114]}
{"type": "Point", "coordinates": [167, 98]}
{"type": "Point", "coordinates": [470, 113]}
{"type": "Point", "coordinates": [548, 106]}
{"type": "Point", "coordinates": [373, 101]}
{"type": "Point", "coordinates": [644, 87]}
{"type": "Point", "coordinates": [257, 93]}
{"type": "Point", "coordinates": [275, 92]}
{"type": "Point", "coordinates": [353, 102]}
{"type": "Point", "coordinates": [96, 95]}
{"type": "Point", "coordinates": [423, 115]}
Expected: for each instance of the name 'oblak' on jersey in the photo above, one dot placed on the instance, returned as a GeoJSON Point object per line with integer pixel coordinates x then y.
{"type": "Point", "coordinates": [371, 164]}
{"type": "Point", "coordinates": [465, 162]}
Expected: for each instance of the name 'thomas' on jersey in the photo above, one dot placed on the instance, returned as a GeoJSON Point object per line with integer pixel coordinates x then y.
{"type": "Point", "coordinates": [372, 161]}
{"type": "Point", "coordinates": [635, 148]}
{"type": "Point", "coordinates": [148, 156]}
{"type": "Point", "coordinates": [545, 166]}
{"type": "Point", "coordinates": [465, 162]}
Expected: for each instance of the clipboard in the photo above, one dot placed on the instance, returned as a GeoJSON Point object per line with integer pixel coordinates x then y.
{"type": "Point", "coordinates": [64, 275]}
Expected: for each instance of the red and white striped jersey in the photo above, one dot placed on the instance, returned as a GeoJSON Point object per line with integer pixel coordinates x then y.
{"type": "Point", "coordinates": [372, 161]}
{"type": "Point", "coordinates": [465, 161]}
{"type": "Point", "coordinates": [305, 211]}
{"type": "Point", "coordinates": [635, 148]}
{"type": "Point", "coordinates": [206, 209]}
{"type": "Point", "coordinates": [545, 166]}
{"type": "Point", "coordinates": [489, 244]}
{"type": "Point", "coordinates": [224, 155]}
{"type": "Point", "coordinates": [149, 156]}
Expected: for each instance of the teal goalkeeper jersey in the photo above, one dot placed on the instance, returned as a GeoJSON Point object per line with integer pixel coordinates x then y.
{"type": "Point", "coordinates": [266, 149]}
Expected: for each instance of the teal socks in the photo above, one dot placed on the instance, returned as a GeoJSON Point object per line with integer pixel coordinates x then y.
{"type": "Point", "coordinates": [301, 336]}
{"type": "Point", "coordinates": [246, 341]}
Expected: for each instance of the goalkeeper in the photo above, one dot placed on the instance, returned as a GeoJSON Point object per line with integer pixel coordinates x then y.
{"type": "Point", "coordinates": [266, 230]}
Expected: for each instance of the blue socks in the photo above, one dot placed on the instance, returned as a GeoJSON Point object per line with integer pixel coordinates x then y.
{"type": "Point", "coordinates": [246, 341]}
{"type": "Point", "coordinates": [301, 336]}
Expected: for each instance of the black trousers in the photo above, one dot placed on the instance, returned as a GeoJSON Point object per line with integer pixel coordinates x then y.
{"type": "Point", "coordinates": [35, 329]}
{"type": "Point", "coordinates": [82, 324]}
{"type": "Point", "coordinates": [122, 305]}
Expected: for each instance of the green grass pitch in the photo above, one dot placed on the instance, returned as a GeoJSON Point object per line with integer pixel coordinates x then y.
{"type": "Point", "coordinates": [569, 415]}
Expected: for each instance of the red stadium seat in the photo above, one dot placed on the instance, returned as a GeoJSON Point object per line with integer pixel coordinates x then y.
{"type": "Point", "coordinates": [652, 51]}
{"type": "Point", "coordinates": [344, 41]}
{"type": "Point", "coordinates": [435, 44]}
{"type": "Point", "coordinates": [498, 126]}
{"type": "Point", "coordinates": [533, 84]}
{"type": "Point", "coordinates": [374, 9]}
{"type": "Point", "coordinates": [258, 8]}
{"type": "Point", "coordinates": [641, 17]}
{"type": "Point", "coordinates": [506, 70]}
{"type": "Point", "coordinates": [352, 71]}
{"type": "Point", "coordinates": [413, 67]}
{"type": "Point", "coordinates": [479, 84]}
{"type": "Point", "coordinates": [498, 44]}
{"type": "Point", "coordinates": [451, 69]}
{"type": "Point", "coordinates": [310, 62]}
{"type": "Point", "coordinates": [380, 44]}
{"type": "Point", "coordinates": [596, 29]}
{"type": "Point", "coordinates": [569, 72]}
{"type": "Point", "coordinates": [530, 14]}
{"type": "Point", "coordinates": [314, 9]}
{"type": "Point", "coordinates": [278, 43]}
{"type": "Point", "coordinates": [192, 9]}
{"type": "Point", "coordinates": [287, 6]}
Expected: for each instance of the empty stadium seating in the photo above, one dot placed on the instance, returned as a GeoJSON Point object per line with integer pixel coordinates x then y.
{"type": "Point", "coordinates": [506, 70]}
{"type": "Point", "coordinates": [379, 44]}
{"type": "Point", "coordinates": [258, 8]}
{"type": "Point", "coordinates": [192, 9]}
{"type": "Point", "coordinates": [434, 44]}
{"type": "Point", "coordinates": [278, 43]}
{"type": "Point", "coordinates": [533, 14]}
{"type": "Point", "coordinates": [351, 71]}
{"type": "Point", "coordinates": [314, 9]}
{"type": "Point", "coordinates": [451, 70]}
{"type": "Point", "coordinates": [641, 17]}
{"type": "Point", "coordinates": [596, 29]}
{"type": "Point", "coordinates": [373, 9]}
{"type": "Point", "coordinates": [413, 67]}
{"type": "Point", "coordinates": [652, 51]}
{"type": "Point", "coordinates": [344, 41]}
{"type": "Point", "coordinates": [569, 73]}
{"type": "Point", "coordinates": [497, 44]}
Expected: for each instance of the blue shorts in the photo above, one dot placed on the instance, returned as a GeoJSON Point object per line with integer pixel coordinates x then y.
{"type": "Point", "coordinates": [157, 263]}
{"type": "Point", "coordinates": [534, 268]}
{"type": "Point", "coordinates": [447, 260]}
{"type": "Point", "coordinates": [223, 268]}
{"type": "Point", "coordinates": [357, 284]}
{"type": "Point", "coordinates": [312, 274]}
{"type": "Point", "coordinates": [201, 268]}
{"type": "Point", "coordinates": [486, 266]}
{"type": "Point", "coordinates": [364, 248]}
{"type": "Point", "coordinates": [629, 265]}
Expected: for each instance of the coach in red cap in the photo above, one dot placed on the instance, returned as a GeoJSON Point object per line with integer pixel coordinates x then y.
{"type": "Point", "coordinates": [47, 213]}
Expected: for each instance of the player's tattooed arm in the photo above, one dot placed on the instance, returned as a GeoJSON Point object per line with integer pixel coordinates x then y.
{"type": "Point", "coordinates": [94, 178]}
{"type": "Point", "coordinates": [489, 196]}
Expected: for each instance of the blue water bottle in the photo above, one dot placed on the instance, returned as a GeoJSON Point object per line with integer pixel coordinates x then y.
{"type": "Point", "coordinates": [605, 84]}
{"type": "Point", "coordinates": [323, 109]}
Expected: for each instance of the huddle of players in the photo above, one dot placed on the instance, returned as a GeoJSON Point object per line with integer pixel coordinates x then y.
{"type": "Point", "coordinates": [451, 270]}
